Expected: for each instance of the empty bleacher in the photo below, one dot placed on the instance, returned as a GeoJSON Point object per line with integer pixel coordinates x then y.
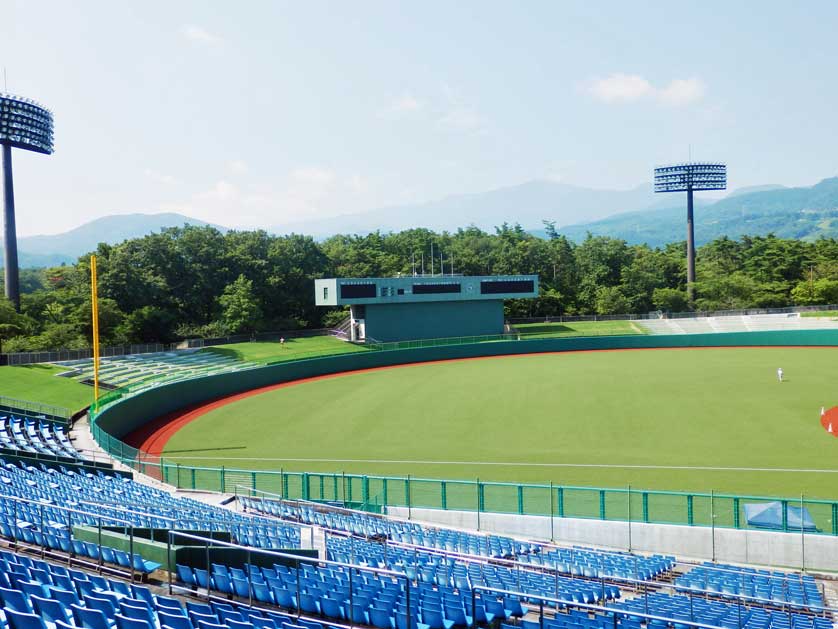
{"type": "Point", "coordinates": [737, 323]}
{"type": "Point", "coordinates": [134, 369]}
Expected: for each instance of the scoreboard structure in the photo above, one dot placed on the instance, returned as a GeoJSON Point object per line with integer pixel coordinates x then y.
{"type": "Point", "coordinates": [422, 306]}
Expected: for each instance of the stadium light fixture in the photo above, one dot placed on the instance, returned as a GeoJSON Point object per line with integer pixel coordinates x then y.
{"type": "Point", "coordinates": [689, 177]}
{"type": "Point", "coordinates": [24, 124]}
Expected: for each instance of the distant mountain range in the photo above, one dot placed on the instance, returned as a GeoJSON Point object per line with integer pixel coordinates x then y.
{"type": "Point", "coordinates": [804, 213]}
{"type": "Point", "coordinates": [636, 215]}
{"type": "Point", "coordinates": [66, 247]}
{"type": "Point", "coordinates": [528, 204]}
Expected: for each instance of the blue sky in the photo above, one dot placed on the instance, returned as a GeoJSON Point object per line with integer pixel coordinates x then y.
{"type": "Point", "coordinates": [264, 112]}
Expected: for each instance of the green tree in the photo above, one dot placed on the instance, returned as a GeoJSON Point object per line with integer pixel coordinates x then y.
{"type": "Point", "coordinates": [670, 299]}
{"type": "Point", "coordinates": [240, 312]}
{"type": "Point", "coordinates": [611, 300]}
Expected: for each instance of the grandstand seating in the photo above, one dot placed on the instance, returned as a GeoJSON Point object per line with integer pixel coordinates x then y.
{"type": "Point", "coordinates": [43, 521]}
{"type": "Point", "coordinates": [442, 579]}
{"type": "Point", "coordinates": [162, 367]}
{"type": "Point", "coordinates": [722, 614]}
{"type": "Point", "coordinates": [35, 436]}
{"type": "Point", "coordinates": [779, 587]}
{"type": "Point", "coordinates": [737, 323]}
{"type": "Point", "coordinates": [575, 561]}
{"type": "Point", "coordinates": [38, 594]}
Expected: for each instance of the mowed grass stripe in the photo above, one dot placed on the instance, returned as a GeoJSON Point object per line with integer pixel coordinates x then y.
{"type": "Point", "coordinates": [683, 418]}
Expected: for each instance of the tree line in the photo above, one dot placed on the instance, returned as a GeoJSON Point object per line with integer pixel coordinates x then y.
{"type": "Point", "coordinates": [200, 282]}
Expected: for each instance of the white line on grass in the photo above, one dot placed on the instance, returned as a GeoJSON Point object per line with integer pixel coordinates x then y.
{"type": "Point", "coordinates": [515, 464]}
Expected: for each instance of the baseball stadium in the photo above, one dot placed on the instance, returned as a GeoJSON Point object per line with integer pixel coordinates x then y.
{"type": "Point", "coordinates": [296, 426]}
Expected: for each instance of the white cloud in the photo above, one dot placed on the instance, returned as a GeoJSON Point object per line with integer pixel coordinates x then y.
{"type": "Point", "coordinates": [682, 92]}
{"type": "Point", "coordinates": [199, 35]}
{"type": "Point", "coordinates": [221, 191]}
{"type": "Point", "coordinates": [237, 166]}
{"type": "Point", "coordinates": [314, 177]}
{"type": "Point", "coordinates": [403, 106]}
{"type": "Point", "coordinates": [303, 193]}
{"type": "Point", "coordinates": [631, 88]}
{"type": "Point", "coordinates": [620, 88]}
{"type": "Point", "coordinates": [159, 177]}
{"type": "Point", "coordinates": [357, 184]}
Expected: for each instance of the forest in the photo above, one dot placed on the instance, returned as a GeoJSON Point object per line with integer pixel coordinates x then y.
{"type": "Point", "coordinates": [199, 282]}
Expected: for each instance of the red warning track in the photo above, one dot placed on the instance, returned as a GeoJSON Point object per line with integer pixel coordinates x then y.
{"type": "Point", "coordinates": [152, 437]}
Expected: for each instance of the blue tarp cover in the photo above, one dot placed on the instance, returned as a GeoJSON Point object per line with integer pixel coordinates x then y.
{"type": "Point", "coordinates": [769, 515]}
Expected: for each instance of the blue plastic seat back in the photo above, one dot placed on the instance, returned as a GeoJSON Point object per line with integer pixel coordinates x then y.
{"type": "Point", "coordinates": [15, 600]}
{"type": "Point", "coordinates": [125, 622]}
{"type": "Point", "coordinates": [89, 618]}
{"type": "Point", "coordinates": [19, 620]}
{"type": "Point", "coordinates": [101, 603]}
{"type": "Point", "coordinates": [49, 609]}
{"type": "Point", "coordinates": [174, 621]}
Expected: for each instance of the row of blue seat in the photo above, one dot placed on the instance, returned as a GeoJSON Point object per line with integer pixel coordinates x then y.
{"type": "Point", "coordinates": [35, 436]}
{"type": "Point", "coordinates": [730, 581]}
{"type": "Point", "coordinates": [37, 594]}
{"type": "Point", "coordinates": [577, 561]}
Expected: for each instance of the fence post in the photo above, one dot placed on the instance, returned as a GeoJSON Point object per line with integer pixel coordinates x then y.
{"type": "Point", "coordinates": [223, 480]}
{"type": "Point", "coordinates": [628, 515]}
{"type": "Point", "coordinates": [443, 494]}
{"type": "Point", "coordinates": [601, 504]}
{"type": "Point", "coordinates": [384, 498]}
{"type": "Point", "coordinates": [552, 512]}
{"type": "Point", "coordinates": [479, 502]}
{"type": "Point", "coordinates": [407, 494]}
{"type": "Point", "coordinates": [835, 518]}
{"type": "Point", "coordinates": [520, 499]}
{"type": "Point", "coordinates": [365, 489]}
{"type": "Point", "coordinates": [785, 506]}
{"type": "Point", "coordinates": [305, 486]}
{"type": "Point", "coordinates": [560, 499]}
{"type": "Point", "coordinates": [736, 520]}
{"type": "Point", "coordinates": [690, 520]}
{"type": "Point", "coordinates": [646, 506]}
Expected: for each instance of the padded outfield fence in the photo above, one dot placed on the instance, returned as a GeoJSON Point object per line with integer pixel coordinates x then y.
{"type": "Point", "coordinates": [122, 411]}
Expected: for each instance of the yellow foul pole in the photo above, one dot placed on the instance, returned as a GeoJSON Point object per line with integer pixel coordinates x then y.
{"type": "Point", "coordinates": [94, 301]}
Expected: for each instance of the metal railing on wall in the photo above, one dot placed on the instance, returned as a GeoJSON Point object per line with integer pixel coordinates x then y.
{"type": "Point", "coordinates": [33, 410]}
{"type": "Point", "coordinates": [375, 493]}
{"type": "Point", "coordinates": [690, 314]}
{"type": "Point", "coordinates": [66, 355]}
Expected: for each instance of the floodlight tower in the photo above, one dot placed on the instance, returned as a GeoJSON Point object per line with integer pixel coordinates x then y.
{"type": "Point", "coordinates": [686, 178]}
{"type": "Point", "coordinates": [24, 124]}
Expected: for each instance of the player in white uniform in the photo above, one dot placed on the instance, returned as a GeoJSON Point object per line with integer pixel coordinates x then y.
{"type": "Point", "coordinates": [780, 374]}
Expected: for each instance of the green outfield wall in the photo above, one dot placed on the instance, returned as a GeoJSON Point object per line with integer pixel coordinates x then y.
{"type": "Point", "coordinates": [121, 412]}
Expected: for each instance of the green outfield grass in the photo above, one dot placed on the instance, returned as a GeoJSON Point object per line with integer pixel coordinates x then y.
{"type": "Point", "coordinates": [828, 314]}
{"type": "Point", "coordinates": [38, 383]}
{"type": "Point", "coordinates": [516, 418]}
{"type": "Point", "coordinates": [580, 328]}
{"type": "Point", "coordinates": [267, 352]}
